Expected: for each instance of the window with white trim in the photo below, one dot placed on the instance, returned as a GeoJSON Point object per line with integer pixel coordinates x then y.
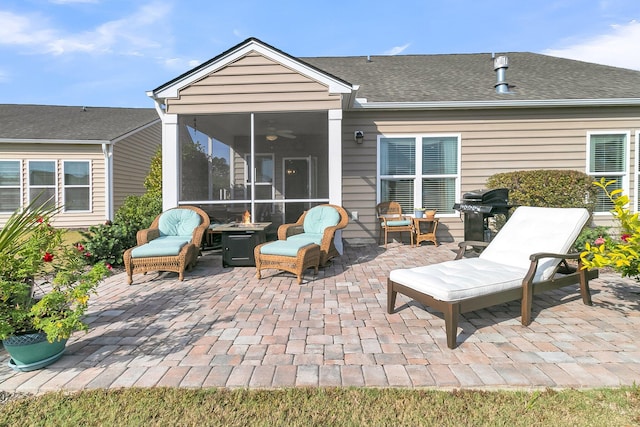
{"type": "Point", "coordinates": [77, 186]}
{"type": "Point", "coordinates": [42, 182]}
{"type": "Point", "coordinates": [9, 185]}
{"type": "Point", "coordinates": [419, 171]}
{"type": "Point", "coordinates": [607, 157]}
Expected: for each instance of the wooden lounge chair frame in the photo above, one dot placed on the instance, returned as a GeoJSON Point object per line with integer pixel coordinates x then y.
{"type": "Point", "coordinates": [563, 275]}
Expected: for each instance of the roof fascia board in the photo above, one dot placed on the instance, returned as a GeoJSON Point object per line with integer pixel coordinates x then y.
{"type": "Point", "coordinates": [452, 105]}
{"type": "Point", "coordinates": [136, 130]}
{"type": "Point", "coordinates": [54, 141]}
{"type": "Point", "coordinates": [171, 90]}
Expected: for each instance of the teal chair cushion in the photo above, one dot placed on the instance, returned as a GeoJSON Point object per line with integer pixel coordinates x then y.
{"type": "Point", "coordinates": [398, 223]}
{"type": "Point", "coordinates": [162, 246]}
{"type": "Point", "coordinates": [307, 237]}
{"type": "Point", "coordinates": [178, 222]}
{"type": "Point", "coordinates": [320, 217]}
{"type": "Point", "coordinates": [287, 247]}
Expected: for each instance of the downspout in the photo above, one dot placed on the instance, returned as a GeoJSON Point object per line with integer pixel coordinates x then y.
{"type": "Point", "coordinates": [107, 151]}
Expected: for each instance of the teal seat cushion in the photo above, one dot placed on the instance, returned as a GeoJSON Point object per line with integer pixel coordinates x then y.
{"type": "Point", "coordinates": [398, 223]}
{"type": "Point", "coordinates": [307, 237]}
{"type": "Point", "coordinates": [161, 246]}
{"type": "Point", "coordinates": [320, 217]}
{"type": "Point", "coordinates": [284, 247]}
{"type": "Point", "coordinates": [178, 222]}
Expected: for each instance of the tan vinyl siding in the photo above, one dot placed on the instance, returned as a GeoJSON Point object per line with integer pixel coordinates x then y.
{"type": "Point", "coordinates": [59, 153]}
{"type": "Point", "coordinates": [131, 162]}
{"type": "Point", "coordinates": [491, 142]}
{"type": "Point", "coordinates": [253, 83]}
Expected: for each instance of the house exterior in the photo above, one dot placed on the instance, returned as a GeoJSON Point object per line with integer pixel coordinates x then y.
{"type": "Point", "coordinates": [86, 159]}
{"type": "Point", "coordinates": [259, 130]}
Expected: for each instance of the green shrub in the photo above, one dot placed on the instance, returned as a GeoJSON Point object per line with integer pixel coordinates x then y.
{"type": "Point", "coordinates": [109, 241]}
{"type": "Point", "coordinates": [589, 235]}
{"type": "Point", "coordinates": [138, 212]}
{"type": "Point", "coordinates": [548, 188]}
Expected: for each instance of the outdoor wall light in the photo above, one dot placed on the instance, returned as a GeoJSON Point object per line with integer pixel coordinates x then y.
{"type": "Point", "coordinates": [358, 136]}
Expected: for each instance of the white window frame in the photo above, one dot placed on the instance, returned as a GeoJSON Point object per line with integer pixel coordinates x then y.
{"type": "Point", "coordinates": [55, 180]}
{"type": "Point", "coordinates": [89, 186]}
{"type": "Point", "coordinates": [19, 186]}
{"type": "Point", "coordinates": [418, 176]}
{"type": "Point", "coordinates": [623, 175]}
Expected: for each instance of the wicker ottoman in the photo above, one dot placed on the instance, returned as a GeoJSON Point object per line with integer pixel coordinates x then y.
{"type": "Point", "coordinates": [307, 256]}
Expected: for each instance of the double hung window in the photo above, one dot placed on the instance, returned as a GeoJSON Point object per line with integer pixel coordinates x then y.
{"type": "Point", "coordinates": [419, 171]}
{"type": "Point", "coordinates": [9, 185]}
{"type": "Point", "coordinates": [607, 157]}
{"type": "Point", "coordinates": [42, 182]}
{"type": "Point", "coordinates": [77, 186]}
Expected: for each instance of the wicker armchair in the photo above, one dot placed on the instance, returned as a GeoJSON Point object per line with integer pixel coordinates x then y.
{"type": "Point", "coordinates": [327, 245]}
{"type": "Point", "coordinates": [171, 243]}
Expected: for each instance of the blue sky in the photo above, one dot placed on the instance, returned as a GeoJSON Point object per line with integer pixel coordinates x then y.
{"type": "Point", "coordinates": [110, 52]}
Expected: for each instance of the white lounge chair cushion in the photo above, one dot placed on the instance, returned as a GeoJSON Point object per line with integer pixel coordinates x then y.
{"type": "Point", "coordinates": [534, 229]}
{"type": "Point", "coordinates": [461, 279]}
{"type": "Point", "coordinates": [505, 262]}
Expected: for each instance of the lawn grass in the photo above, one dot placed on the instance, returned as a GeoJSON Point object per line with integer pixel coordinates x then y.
{"type": "Point", "coordinates": [326, 407]}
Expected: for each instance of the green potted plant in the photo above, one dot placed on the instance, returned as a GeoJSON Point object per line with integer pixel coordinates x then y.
{"type": "Point", "coordinates": [45, 287]}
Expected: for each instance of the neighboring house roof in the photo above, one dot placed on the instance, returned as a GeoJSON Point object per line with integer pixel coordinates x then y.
{"type": "Point", "coordinates": [471, 77]}
{"type": "Point", "coordinates": [71, 123]}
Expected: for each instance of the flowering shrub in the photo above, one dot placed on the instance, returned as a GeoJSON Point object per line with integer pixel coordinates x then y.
{"type": "Point", "coordinates": [622, 253]}
{"type": "Point", "coordinates": [44, 284]}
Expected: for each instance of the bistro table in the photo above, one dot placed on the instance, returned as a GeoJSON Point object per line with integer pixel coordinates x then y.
{"type": "Point", "coordinates": [425, 230]}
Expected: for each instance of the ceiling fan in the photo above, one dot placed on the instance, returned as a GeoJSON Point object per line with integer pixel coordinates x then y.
{"type": "Point", "coordinates": [273, 133]}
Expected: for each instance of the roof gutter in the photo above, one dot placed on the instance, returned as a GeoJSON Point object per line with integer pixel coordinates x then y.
{"type": "Point", "coordinates": [523, 103]}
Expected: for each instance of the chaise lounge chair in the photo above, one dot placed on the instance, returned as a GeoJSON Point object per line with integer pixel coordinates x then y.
{"type": "Point", "coordinates": [171, 243]}
{"type": "Point", "coordinates": [527, 256]}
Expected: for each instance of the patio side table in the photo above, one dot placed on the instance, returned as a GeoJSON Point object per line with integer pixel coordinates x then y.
{"type": "Point", "coordinates": [425, 230]}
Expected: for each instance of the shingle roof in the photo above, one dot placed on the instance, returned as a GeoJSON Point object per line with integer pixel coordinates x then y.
{"type": "Point", "coordinates": [471, 77]}
{"type": "Point", "coordinates": [53, 122]}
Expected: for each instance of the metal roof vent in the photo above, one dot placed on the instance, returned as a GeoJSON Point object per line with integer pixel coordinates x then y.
{"type": "Point", "coordinates": [500, 65]}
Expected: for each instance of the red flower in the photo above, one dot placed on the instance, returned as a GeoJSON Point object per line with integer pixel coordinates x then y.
{"type": "Point", "coordinates": [599, 241]}
{"type": "Point", "coordinates": [109, 266]}
{"type": "Point", "coordinates": [48, 257]}
{"type": "Point", "coordinates": [79, 247]}
{"type": "Point", "coordinates": [87, 254]}
{"type": "Point", "coordinates": [625, 237]}
{"type": "Point", "coordinates": [40, 220]}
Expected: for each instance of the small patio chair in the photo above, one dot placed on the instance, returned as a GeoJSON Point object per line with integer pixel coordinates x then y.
{"type": "Point", "coordinates": [171, 243]}
{"type": "Point", "coordinates": [393, 221]}
{"type": "Point", "coordinates": [521, 261]}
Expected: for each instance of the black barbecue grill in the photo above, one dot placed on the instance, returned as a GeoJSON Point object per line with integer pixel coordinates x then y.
{"type": "Point", "coordinates": [480, 205]}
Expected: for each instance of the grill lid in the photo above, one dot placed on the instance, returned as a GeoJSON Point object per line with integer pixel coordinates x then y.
{"type": "Point", "coordinates": [493, 197]}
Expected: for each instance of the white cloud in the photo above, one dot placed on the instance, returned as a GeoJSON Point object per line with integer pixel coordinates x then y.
{"type": "Point", "coordinates": [618, 47]}
{"type": "Point", "coordinates": [397, 50]}
{"type": "Point", "coordinates": [130, 35]}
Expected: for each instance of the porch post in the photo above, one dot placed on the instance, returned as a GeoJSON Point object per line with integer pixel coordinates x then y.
{"type": "Point", "coordinates": [335, 157]}
{"type": "Point", "coordinates": [170, 161]}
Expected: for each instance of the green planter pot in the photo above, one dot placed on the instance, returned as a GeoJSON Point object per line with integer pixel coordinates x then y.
{"type": "Point", "coordinates": [32, 351]}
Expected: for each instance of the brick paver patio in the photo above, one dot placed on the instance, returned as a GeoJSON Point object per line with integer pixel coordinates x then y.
{"type": "Point", "coordinates": [222, 327]}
